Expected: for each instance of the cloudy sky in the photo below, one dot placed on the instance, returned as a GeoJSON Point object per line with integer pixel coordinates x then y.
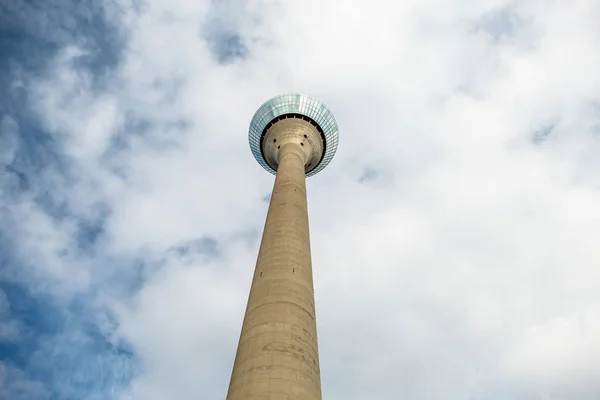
{"type": "Point", "coordinates": [454, 235]}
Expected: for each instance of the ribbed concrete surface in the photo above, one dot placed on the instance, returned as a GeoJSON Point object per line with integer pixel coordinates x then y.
{"type": "Point", "coordinates": [277, 356]}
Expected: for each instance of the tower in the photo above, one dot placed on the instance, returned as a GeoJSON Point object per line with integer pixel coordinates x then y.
{"type": "Point", "coordinates": [292, 136]}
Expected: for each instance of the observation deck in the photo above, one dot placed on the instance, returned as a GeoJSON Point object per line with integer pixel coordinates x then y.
{"type": "Point", "coordinates": [320, 147]}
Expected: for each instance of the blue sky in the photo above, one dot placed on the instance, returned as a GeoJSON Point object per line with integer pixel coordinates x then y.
{"type": "Point", "coordinates": [454, 235]}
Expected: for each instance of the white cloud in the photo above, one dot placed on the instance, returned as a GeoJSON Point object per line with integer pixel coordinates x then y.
{"type": "Point", "coordinates": [561, 353]}
{"type": "Point", "coordinates": [448, 276]}
{"type": "Point", "coordinates": [8, 142]}
{"type": "Point", "coordinates": [9, 327]}
{"type": "Point", "coordinates": [15, 385]}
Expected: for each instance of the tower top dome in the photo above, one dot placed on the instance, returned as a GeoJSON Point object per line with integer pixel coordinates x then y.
{"type": "Point", "coordinates": [294, 105]}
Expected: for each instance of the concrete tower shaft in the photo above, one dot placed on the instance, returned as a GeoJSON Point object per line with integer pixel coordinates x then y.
{"type": "Point", "coordinates": [277, 356]}
{"type": "Point", "coordinates": [292, 136]}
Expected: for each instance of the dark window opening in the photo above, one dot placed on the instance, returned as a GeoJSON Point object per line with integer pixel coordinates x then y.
{"type": "Point", "coordinates": [274, 140]}
{"type": "Point", "coordinates": [301, 144]}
